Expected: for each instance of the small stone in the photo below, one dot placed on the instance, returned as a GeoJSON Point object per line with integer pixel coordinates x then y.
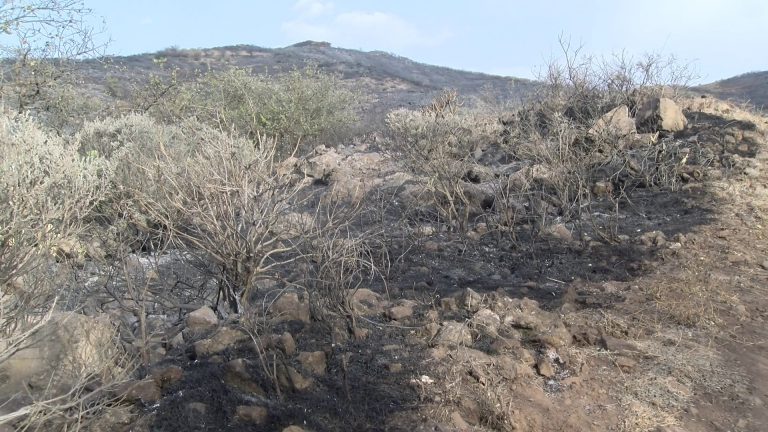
{"type": "Point", "coordinates": [197, 408]}
{"type": "Point", "coordinates": [399, 313]}
{"type": "Point", "coordinates": [395, 367]}
{"type": "Point", "coordinates": [314, 362]}
{"type": "Point", "coordinates": [626, 364]}
{"type": "Point", "coordinates": [202, 319]}
{"type": "Point", "coordinates": [287, 344]}
{"type": "Point", "coordinates": [167, 376]}
{"type": "Point", "coordinates": [448, 304]}
{"type": "Point", "coordinates": [459, 422]}
{"type": "Point", "coordinates": [471, 300]}
{"type": "Point", "coordinates": [236, 376]}
{"type": "Point", "coordinates": [454, 333]}
{"type": "Point", "coordinates": [223, 339]}
{"type": "Point", "coordinates": [764, 265]}
{"type": "Point", "coordinates": [545, 367]}
{"type": "Point", "coordinates": [252, 414]}
{"type": "Point", "coordinates": [146, 391]}
{"type": "Point", "coordinates": [288, 307]}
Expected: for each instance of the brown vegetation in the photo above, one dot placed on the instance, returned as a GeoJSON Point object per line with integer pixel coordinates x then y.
{"type": "Point", "coordinates": [560, 265]}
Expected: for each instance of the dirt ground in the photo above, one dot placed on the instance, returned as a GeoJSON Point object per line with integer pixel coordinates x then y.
{"type": "Point", "coordinates": [664, 330]}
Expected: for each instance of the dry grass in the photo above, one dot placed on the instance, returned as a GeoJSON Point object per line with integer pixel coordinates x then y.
{"type": "Point", "coordinates": [693, 297]}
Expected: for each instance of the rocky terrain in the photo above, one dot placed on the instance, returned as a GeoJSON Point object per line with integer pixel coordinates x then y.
{"type": "Point", "coordinates": [644, 311]}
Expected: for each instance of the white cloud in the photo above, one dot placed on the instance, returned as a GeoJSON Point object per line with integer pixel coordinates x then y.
{"type": "Point", "coordinates": [312, 7]}
{"type": "Point", "coordinates": [361, 29]}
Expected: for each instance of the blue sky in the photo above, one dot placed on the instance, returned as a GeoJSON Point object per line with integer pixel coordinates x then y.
{"type": "Point", "coordinates": [722, 38]}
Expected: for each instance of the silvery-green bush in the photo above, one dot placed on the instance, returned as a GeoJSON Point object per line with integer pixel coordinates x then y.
{"type": "Point", "coordinates": [47, 193]}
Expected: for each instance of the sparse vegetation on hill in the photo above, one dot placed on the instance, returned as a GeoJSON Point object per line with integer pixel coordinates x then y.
{"type": "Point", "coordinates": [750, 88]}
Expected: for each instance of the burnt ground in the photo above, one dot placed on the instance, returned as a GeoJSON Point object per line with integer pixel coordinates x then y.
{"type": "Point", "coordinates": [690, 303]}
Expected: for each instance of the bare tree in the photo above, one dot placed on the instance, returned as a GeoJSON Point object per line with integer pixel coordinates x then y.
{"type": "Point", "coordinates": [41, 38]}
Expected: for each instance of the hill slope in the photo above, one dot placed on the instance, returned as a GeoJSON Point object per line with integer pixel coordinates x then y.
{"type": "Point", "coordinates": [749, 87]}
{"type": "Point", "coordinates": [392, 80]}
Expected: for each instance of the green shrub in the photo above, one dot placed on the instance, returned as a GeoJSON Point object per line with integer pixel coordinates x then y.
{"type": "Point", "coordinates": [298, 108]}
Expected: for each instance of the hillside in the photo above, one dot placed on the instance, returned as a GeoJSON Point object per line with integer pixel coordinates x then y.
{"type": "Point", "coordinates": [392, 80]}
{"type": "Point", "coordinates": [749, 87]}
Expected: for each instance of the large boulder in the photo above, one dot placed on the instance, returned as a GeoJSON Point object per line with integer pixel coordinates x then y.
{"type": "Point", "coordinates": [289, 307]}
{"type": "Point", "coordinates": [454, 334]}
{"type": "Point", "coordinates": [322, 163]}
{"type": "Point", "coordinates": [59, 356]}
{"type": "Point", "coordinates": [545, 327]}
{"type": "Point", "coordinates": [202, 319]}
{"type": "Point", "coordinates": [225, 338]}
{"type": "Point", "coordinates": [614, 123]}
{"type": "Point", "coordinates": [660, 114]}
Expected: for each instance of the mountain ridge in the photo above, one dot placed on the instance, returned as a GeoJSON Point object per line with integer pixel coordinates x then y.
{"type": "Point", "coordinates": [393, 80]}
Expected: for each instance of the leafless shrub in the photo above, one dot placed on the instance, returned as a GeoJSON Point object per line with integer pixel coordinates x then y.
{"type": "Point", "coordinates": [554, 132]}
{"type": "Point", "coordinates": [42, 37]}
{"type": "Point", "coordinates": [447, 103]}
{"type": "Point", "coordinates": [583, 87]}
{"type": "Point", "coordinates": [226, 201]}
{"type": "Point", "coordinates": [343, 256]}
{"type": "Point", "coordinates": [438, 144]}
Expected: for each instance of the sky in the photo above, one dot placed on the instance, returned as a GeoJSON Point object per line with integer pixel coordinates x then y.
{"type": "Point", "coordinates": [720, 38]}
